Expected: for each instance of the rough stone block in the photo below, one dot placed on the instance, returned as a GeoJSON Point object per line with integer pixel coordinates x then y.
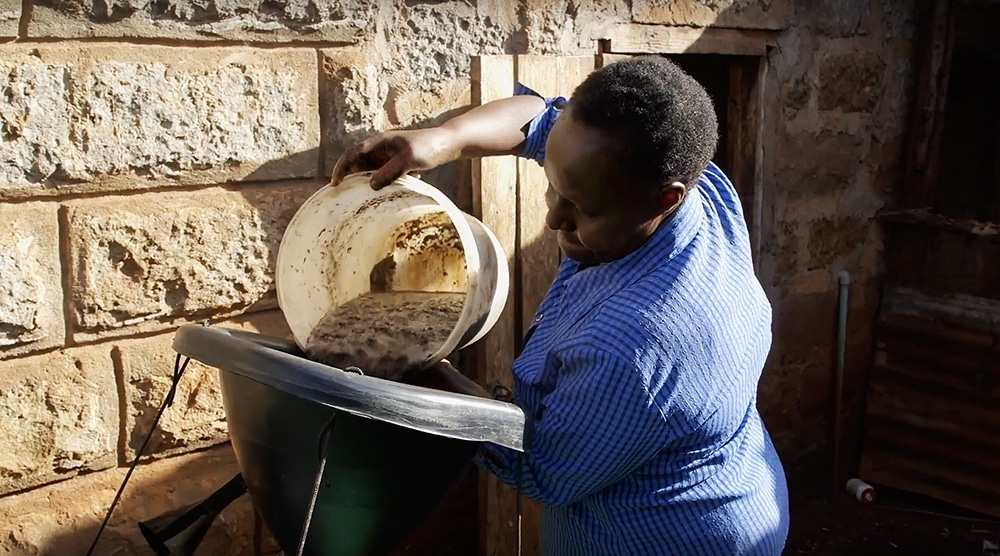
{"type": "Point", "coordinates": [196, 419]}
{"type": "Point", "coordinates": [899, 19]}
{"type": "Point", "coordinates": [146, 262]}
{"type": "Point", "coordinates": [85, 118]}
{"type": "Point", "coordinates": [10, 16]}
{"type": "Point", "coordinates": [794, 96]}
{"type": "Point", "coordinates": [413, 108]}
{"type": "Point", "coordinates": [240, 20]}
{"type": "Point", "coordinates": [831, 238]}
{"type": "Point", "coordinates": [60, 416]}
{"type": "Point", "coordinates": [823, 162]}
{"type": "Point", "coordinates": [802, 322]}
{"type": "Point", "coordinates": [434, 42]}
{"type": "Point", "coordinates": [31, 299]}
{"type": "Point", "coordinates": [354, 95]}
{"type": "Point", "coordinates": [63, 518]}
{"type": "Point", "coordinates": [564, 27]}
{"type": "Point", "coordinates": [836, 18]}
{"type": "Point", "coordinates": [781, 256]}
{"type": "Point", "coordinates": [851, 81]}
{"type": "Point", "coordinates": [358, 101]}
{"type": "Point", "coordinates": [750, 14]}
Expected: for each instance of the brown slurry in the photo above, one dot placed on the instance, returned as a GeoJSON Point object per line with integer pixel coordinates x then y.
{"type": "Point", "coordinates": [385, 334]}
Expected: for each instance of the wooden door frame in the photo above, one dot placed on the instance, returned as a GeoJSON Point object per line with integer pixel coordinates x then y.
{"type": "Point", "coordinates": [913, 226]}
{"type": "Point", "coordinates": [508, 196]}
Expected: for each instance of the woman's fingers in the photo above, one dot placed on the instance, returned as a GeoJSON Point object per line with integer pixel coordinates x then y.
{"type": "Point", "coordinates": [370, 154]}
{"type": "Point", "coordinates": [398, 165]}
{"type": "Point", "coordinates": [346, 164]}
{"type": "Point", "coordinates": [391, 155]}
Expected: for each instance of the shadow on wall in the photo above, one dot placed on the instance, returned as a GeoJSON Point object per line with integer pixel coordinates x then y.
{"type": "Point", "coordinates": [155, 489]}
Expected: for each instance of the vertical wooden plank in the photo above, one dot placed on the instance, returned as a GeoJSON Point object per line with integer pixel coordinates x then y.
{"type": "Point", "coordinates": [932, 95]}
{"type": "Point", "coordinates": [744, 119]}
{"type": "Point", "coordinates": [756, 220]}
{"type": "Point", "coordinates": [925, 140]}
{"type": "Point", "coordinates": [494, 195]}
{"type": "Point", "coordinates": [740, 147]}
{"type": "Point", "coordinates": [538, 250]}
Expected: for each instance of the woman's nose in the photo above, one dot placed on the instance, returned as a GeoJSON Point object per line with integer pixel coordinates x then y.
{"type": "Point", "coordinates": [558, 218]}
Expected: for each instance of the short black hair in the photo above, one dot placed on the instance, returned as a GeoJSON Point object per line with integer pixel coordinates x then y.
{"type": "Point", "coordinates": [663, 118]}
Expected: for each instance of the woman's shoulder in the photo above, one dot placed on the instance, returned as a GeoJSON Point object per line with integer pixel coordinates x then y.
{"type": "Point", "coordinates": [626, 324]}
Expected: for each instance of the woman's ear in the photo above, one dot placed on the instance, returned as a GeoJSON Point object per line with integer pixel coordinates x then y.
{"type": "Point", "coordinates": [671, 196]}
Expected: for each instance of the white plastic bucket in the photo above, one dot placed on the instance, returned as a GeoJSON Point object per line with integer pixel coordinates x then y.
{"type": "Point", "coordinates": [340, 234]}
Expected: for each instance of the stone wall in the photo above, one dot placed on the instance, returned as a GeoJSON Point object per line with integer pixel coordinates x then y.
{"type": "Point", "coordinates": [841, 87]}
{"type": "Point", "coordinates": [151, 153]}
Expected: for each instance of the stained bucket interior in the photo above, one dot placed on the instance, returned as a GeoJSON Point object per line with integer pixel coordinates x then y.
{"type": "Point", "coordinates": [393, 450]}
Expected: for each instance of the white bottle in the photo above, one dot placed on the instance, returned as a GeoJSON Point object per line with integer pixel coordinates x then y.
{"type": "Point", "coordinates": [862, 491]}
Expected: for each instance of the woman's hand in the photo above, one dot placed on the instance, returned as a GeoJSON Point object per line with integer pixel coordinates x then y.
{"type": "Point", "coordinates": [394, 153]}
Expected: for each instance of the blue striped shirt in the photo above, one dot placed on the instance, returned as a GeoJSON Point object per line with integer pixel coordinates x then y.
{"type": "Point", "coordinates": [639, 383]}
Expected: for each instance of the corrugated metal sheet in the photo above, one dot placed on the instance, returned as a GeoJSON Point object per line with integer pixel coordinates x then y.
{"type": "Point", "coordinates": [933, 405]}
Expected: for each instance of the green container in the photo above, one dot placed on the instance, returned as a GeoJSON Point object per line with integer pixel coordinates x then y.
{"type": "Point", "coordinates": [380, 479]}
{"type": "Point", "coordinates": [393, 450]}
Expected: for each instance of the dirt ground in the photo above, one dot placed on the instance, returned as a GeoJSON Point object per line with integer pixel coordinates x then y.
{"type": "Point", "coordinates": [897, 523]}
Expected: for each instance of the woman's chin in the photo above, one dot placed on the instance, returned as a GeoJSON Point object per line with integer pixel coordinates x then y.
{"type": "Point", "coordinates": [577, 252]}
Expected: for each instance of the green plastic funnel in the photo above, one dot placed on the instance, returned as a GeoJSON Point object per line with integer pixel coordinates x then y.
{"type": "Point", "coordinates": [393, 450]}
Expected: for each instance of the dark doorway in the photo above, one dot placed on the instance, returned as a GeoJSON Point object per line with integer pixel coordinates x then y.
{"type": "Point", "coordinates": [712, 71]}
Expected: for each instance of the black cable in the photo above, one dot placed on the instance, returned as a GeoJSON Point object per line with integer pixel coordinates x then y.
{"type": "Point", "coordinates": [168, 400]}
{"type": "Point", "coordinates": [322, 445]}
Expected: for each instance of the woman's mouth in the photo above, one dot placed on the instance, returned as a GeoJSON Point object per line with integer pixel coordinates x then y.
{"type": "Point", "coordinates": [569, 239]}
{"type": "Point", "coordinates": [572, 248]}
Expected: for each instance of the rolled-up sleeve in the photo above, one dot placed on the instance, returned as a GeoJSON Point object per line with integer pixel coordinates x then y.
{"type": "Point", "coordinates": [538, 129]}
{"type": "Point", "coordinates": [597, 425]}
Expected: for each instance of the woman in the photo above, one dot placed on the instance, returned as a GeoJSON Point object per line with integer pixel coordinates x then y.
{"type": "Point", "coordinates": [640, 371]}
